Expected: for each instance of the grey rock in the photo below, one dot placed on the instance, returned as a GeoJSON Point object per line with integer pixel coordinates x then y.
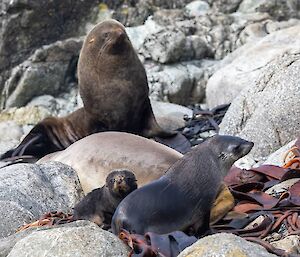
{"type": "Point", "coordinates": [197, 8]}
{"type": "Point", "coordinates": [182, 83]}
{"type": "Point", "coordinates": [59, 106]}
{"type": "Point", "coordinates": [24, 115]}
{"type": "Point", "coordinates": [225, 6]}
{"type": "Point", "coordinates": [248, 64]}
{"type": "Point", "coordinates": [170, 116]}
{"type": "Point", "coordinates": [47, 71]}
{"type": "Point", "coordinates": [59, 241]}
{"type": "Point", "coordinates": [10, 135]}
{"type": "Point", "coordinates": [29, 190]}
{"type": "Point", "coordinates": [262, 111]}
{"type": "Point", "coordinates": [10, 131]}
{"type": "Point", "coordinates": [134, 13]}
{"type": "Point", "coordinates": [7, 243]}
{"type": "Point", "coordinates": [168, 43]}
{"type": "Point", "coordinates": [224, 245]}
{"type": "Point", "coordinates": [291, 244]}
{"type": "Point", "coordinates": [165, 46]}
{"type": "Point", "coordinates": [279, 9]}
{"type": "Point", "coordinates": [165, 17]}
{"type": "Point", "coordinates": [28, 25]}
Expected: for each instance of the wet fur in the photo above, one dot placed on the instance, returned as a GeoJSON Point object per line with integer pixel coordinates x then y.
{"type": "Point", "coordinates": [99, 205]}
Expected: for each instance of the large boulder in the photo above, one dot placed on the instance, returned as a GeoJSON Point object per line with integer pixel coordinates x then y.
{"type": "Point", "coordinates": [243, 66]}
{"type": "Point", "coordinates": [50, 70]}
{"type": "Point", "coordinates": [28, 25]}
{"type": "Point", "coordinates": [249, 63]}
{"type": "Point", "coordinates": [267, 112]}
{"type": "Point", "coordinates": [87, 240]}
{"type": "Point", "coordinates": [29, 190]}
{"type": "Point", "coordinates": [224, 245]}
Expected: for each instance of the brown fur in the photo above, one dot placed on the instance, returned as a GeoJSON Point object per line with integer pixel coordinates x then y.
{"type": "Point", "coordinates": [114, 89]}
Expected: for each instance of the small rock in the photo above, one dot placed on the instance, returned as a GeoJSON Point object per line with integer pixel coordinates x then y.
{"type": "Point", "coordinates": [182, 83]}
{"type": "Point", "coordinates": [224, 245]}
{"type": "Point", "coordinates": [170, 116]}
{"type": "Point", "coordinates": [165, 46]}
{"type": "Point", "coordinates": [279, 10]}
{"type": "Point", "coordinates": [197, 8]}
{"type": "Point", "coordinates": [84, 241]}
{"type": "Point", "coordinates": [10, 131]}
{"type": "Point", "coordinates": [255, 222]}
{"type": "Point", "coordinates": [291, 244]}
{"type": "Point", "coordinates": [24, 115]}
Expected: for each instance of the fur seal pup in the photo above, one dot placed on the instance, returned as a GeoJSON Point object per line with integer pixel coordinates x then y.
{"type": "Point", "coordinates": [94, 156]}
{"type": "Point", "coordinates": [114, 89]}
{"type": "Point", "coordinates": [183, 197]}
{"type": "Point", "coordinates": [100, 204]}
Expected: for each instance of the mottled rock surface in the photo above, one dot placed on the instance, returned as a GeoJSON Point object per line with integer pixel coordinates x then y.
{"type": "Point", "coordinates": [262, 111]}
{"type": "Point", "coordinates": [250, 62]}
{"type": "Point", "coordinates": [29, 190]}
{"type": "Point", "coordinates": [224, 245]}
{"type": "Point", "coordinates": [81, 241]}
{"type": "Point", "coordinates": [50, 70]}
{"type": "Point", "coordinates": [28, 25]}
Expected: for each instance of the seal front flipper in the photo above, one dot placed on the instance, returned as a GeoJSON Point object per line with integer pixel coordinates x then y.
{"type": "Point", "coordinates": [151, 128]}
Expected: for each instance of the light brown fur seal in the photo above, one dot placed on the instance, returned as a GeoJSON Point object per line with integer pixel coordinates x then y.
{"type": "Point", "coordinates": [181, 199]}
{"type": "Point", "coordinates": [114, 89]}
{"type": "Point", "coordinates": [94, 156]}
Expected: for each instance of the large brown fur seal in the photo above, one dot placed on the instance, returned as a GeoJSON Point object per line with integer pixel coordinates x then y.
{"type": "Point", "coordinates": [181, 199]}
{"type": "Point", "coordinates": [113, 86]}
{"type": "Point", "coordinates": [94, 156]}
{"type": "Point", "coordinates": [100, 204]}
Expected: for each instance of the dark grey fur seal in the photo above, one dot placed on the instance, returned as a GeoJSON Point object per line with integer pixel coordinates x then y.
{"type": "Point", "coordinates": [182, 199]}
{"type": "Point", "coordinates": [100, 204]}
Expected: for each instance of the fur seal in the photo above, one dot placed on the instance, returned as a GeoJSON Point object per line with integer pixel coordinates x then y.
{"type": "Point", "coordinates": [100, 204]}
{"type": "Point", "coordinates": [114, 89]}
{"type": "Point", "coordinates": [183, 197]}
{"type": "Point", "coordinates": [94, 156]}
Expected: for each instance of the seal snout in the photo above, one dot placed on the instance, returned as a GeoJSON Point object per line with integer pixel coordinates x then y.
{"type": "Point", "coordinates": [119, 35]}
{"type": "Point", "coordinates": [246, 147]}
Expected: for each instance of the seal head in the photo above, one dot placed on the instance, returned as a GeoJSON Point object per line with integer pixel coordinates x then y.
{"type": "Point", "coordinates": [120, 183]}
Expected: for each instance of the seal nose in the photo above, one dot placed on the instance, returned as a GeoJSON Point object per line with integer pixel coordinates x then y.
{"type": "Point", "coordinates": [119, 180]}
{"type": "Point", "coordinates": [120, 34]}
{"type": "Point", "coordinates": [246, 147]}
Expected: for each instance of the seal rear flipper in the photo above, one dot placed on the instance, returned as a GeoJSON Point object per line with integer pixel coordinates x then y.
{"type": "Point", "coordinates": [38, 142]}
